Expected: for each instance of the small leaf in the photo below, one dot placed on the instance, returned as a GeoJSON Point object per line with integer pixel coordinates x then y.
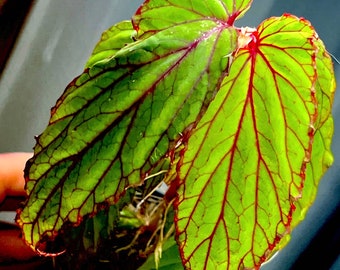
{"type": "Point", "coordinates": [245, 163]}
{"type": "Point", "coordinates": [122, 117]}
{"type": "Point", "coordinates": [170, 260]}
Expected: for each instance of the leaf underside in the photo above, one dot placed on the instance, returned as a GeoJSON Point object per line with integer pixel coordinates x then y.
{"type": "Point", "coordinates": [230, 114]}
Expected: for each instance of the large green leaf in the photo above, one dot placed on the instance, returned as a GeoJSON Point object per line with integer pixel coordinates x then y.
{"type": "Point", "coordinates": [127, 111]}
{"type": "Point", "coordinates": [245, 164]}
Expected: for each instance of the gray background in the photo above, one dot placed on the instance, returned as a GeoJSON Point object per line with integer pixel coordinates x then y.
{"type": "Point", "coordinates": [56, 41]}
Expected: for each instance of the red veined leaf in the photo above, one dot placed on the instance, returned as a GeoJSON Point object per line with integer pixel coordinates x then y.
{"type": "Point", "coordinates": [245, 164]}
{"type": "Point", "coordinates": [122, 117]}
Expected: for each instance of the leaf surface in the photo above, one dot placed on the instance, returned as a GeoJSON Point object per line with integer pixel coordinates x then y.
{"type": "Point", "coordinates": [154, 16]}
{"type": "Point", "coordinates": [321, 156]}
{"type": "Point", "coordinates": [245, 164]}
{"type": "Point", "coordinates": [126, 113]}
{"type": "Point", "coordinates": [112, 40]}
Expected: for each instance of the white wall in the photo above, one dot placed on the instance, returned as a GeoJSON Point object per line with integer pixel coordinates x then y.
{"type": "Point", "coordinates": [54, 45]}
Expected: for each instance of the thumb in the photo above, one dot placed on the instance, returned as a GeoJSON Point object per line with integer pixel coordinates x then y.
{"type": "Point", "coordinates": [12, 180]}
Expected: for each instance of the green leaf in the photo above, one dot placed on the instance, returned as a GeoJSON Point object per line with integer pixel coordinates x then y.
{"type": "Point", "coordinates": [124, 115]}
{"type": "Point", "coordinates": [245, 163]}
{"type": "Point", "coordinates": [170, 260]}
